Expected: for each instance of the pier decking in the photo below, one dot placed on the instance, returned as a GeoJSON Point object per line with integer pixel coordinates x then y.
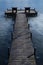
{"type": "Point", "coordinates": [28, 11]}
{"type": "Point", "coordinates": [22, 52]}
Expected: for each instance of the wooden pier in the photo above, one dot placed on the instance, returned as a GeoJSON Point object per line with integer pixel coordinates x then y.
{"type": "Point", "coordinates": [22, 52]}
{"type": "Point", "coordinates": [28, 11]}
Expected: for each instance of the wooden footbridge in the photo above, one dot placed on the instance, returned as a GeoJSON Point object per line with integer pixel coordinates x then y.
{"type": "Point", "coordinates": [22, 51]}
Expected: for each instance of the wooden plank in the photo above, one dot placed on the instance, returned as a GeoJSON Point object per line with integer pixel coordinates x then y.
{"type": "Point", "coordinates": [21, 11]}
{"type": "Point", "coordinates": [32, 11]}
{"type": "Point", "coordinates": [22, 52]}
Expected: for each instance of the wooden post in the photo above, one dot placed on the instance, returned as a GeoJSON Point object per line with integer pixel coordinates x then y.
{"type": "Point", "coordinates": [14, 11]}
{"type": "Point", "coordinates": [28, 26]}
{"type": "Point", "coordinates": [31, 35]}
{"type": "Point", "coordinates": [34, 51]}
{"type": "Point", "coordinates": [27, 8]}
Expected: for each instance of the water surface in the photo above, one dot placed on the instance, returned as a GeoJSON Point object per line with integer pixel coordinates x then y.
{"type": "Point", "coordinates": [6, 28]}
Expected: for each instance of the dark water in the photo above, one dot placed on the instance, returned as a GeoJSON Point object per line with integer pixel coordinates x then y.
{"type": "Point", "coordinates": [36, 26]}
{"type": "Point", "coordinates": [6, 28]}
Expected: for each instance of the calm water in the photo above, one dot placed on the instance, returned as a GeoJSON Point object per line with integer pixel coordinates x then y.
{"type": "Point", "coordinates": [6, 28]}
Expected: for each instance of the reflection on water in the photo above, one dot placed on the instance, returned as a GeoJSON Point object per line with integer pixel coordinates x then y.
{"type": "Point", "coordinates": [6, 28]}
{"type": "Point", "coordinates": [36, 26]}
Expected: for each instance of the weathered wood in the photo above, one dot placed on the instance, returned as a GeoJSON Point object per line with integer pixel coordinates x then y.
{"type": "Point", "coordinates": [28, 11]}
{"type": "Point", "coordinates": [22, 52]}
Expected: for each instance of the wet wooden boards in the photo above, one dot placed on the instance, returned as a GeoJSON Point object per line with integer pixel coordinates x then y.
{"type": "Point", "coordinates": [22, 52]}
